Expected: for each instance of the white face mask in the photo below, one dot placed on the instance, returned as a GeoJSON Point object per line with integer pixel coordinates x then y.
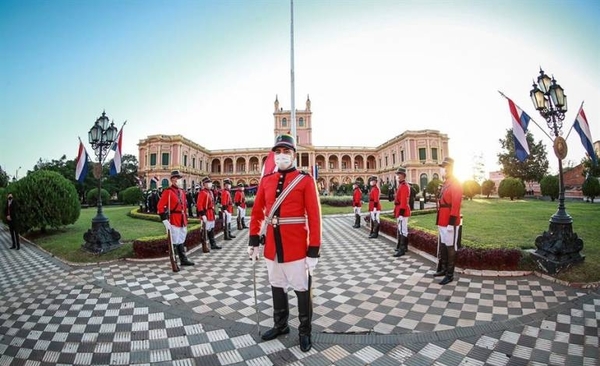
{"type": "Point", "coordinates": [372, 183]}
{"type": "Point", "coordinates": [208, 185]}
{"type": "Point", "coordinates": [283, 161]}
{"type": "Point", "coordinates": [180, 183]}
{"type": "Point", "coordinates": [443, 172]}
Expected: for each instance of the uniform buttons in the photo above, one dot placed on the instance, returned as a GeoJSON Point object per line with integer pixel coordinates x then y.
{"type": "Point", "coordinates": [278, 190]}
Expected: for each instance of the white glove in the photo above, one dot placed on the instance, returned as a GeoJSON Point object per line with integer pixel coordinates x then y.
{"type": "Point", "coordinates": [167, 224]}
{"type": "Point", "coordinates": [399, 219]}
{"type": "Point", "coordinates": [311, 264]}
{"type": "Point", "coordinates": [254, 252]}
{"type": "Point", "coordinates": [204, 219]}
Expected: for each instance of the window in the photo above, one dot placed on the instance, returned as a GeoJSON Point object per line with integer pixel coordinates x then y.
{"type": "Point", "coordinates": [422, 154]}
{"type": "Point", "coordinates": [185, 160]}
{"type": "Point", "coordinates": [301, 122]}
{"type": "Point", "coordinates": [402, 156]}
{"type": "Point", "coordinates": [165, 158]}
{"type": "Point", "coordinates": [434, 154]}
{"type": "Point", "coordinates": [343, 165]}
{"type": "Point", "coordinates": [200, 165]}
{"type": "Point", "coordinates": [254, 167]}
{"type": "Point", "coordinates": [386, 161]}
{"type": "Point", "coordinates": [284, 122]}
{"type": "Point", "coordinates": [165, 183]}
{"type": "Point", "coordinates": [330, 165]}
{"type": "Point", "coordinates": [393, 158]}
{"type": "Point", "coordinates": [152, 159]}
{"type": "Point", "coordinates": [436, 176]}
{"type": "Point", "coordinates": [193, 163]}
{"type": "Point", "coordinates": [423, 181]}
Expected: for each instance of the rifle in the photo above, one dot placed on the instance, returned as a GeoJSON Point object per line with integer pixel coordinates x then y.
{"type": "Point", "coordinates": [172, 259]}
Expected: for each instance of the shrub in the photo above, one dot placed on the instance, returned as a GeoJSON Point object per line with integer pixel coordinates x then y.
{"type": "Point", "coordinates": [471, 188]}
{"type": "Point", "coordinates": [512, 188]}
{"type": "Point", "coordinates": [92, 196]}
{"type": "Point", "coordinates": [157, 246]}
{"type": "Point", "coordinates": [132, 195]}
{"type": "Point", "coordinates": [487, 187]}
{"type": "Point", "coordinates": [549, 186]}
{"type": "Point", "coordinates": [46, 199]}
{"type": "Point", "coordinates": [433, 186]}
{"type": "Point", "coordinates": [591, 188]}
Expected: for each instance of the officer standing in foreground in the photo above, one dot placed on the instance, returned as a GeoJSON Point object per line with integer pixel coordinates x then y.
{"type": "Point", "coordinates": [402, 211]}
{"type": "Point", "coordinates": [356, 204]}
{"type": "Point", "coordinates": [448, 221]}
{"type": "Point", "coordinates": [292, 238]}
{"type": "Point", "coordinates": [172, 209]}
{"type": "Point", "coordinates": [374, 207]}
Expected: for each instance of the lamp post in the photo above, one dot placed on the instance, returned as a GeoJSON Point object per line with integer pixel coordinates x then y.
{"type": "Point", "coordinates": [101, 238]}
{"type": "Point", "coordinates": [559, 247]}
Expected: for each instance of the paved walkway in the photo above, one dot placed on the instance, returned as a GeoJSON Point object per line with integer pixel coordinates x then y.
{"type": "Point", "coordinates": [369, 309]}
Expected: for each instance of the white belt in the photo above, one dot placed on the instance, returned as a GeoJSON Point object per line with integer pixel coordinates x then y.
{"type": "Point", "coordinates": [287, 220]}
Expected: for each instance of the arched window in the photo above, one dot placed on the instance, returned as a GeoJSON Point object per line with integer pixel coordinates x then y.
{"type": "Point", "coordinates": [301, 122]}
{"type": "Point", "coordinates": [165, 183]}
{"type": "Point", "coordinates": [436, 176]}
{"type": "Point", "coordinates": [423, 181]}
{"type": "Point", "coordinates": [284, 122]}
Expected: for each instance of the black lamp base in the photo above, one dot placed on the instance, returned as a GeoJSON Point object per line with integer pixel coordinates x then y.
{"type": "Point", "coordinates": [101, 238]}
{"type": "Point", "coordinates": [558, 249]}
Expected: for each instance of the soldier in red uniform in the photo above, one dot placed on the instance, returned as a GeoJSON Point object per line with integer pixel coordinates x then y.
{"type": "Point", "coordinates": [240, 202]}
{"type": "Point", "coordinates": [448, 221]}
{"type": "Point", "coordinates": [292, 238]}
{"type": "Point", "coordinates": [227, 209]}
{"type": "Point", "coordinates": [205, 206]}
{"type": "Point", "coordinates": [374, 207]}
{"type": "Point", "coordinates": [402, 211]}
{"type": "Point", "coordinates": [172, 208]}
{"type": "Point", "coordinates": [356, 204]}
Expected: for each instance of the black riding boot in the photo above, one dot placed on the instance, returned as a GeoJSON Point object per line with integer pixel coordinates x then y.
{"type": "Point", "coordinates": [356, 221]}
{"type": "Point", "coordinates": [239, 223]}
{"type": "Point", "coordinates": [375, 228]}
{"type": "Point", "coordinates": [244, 223]}
{"type": "Point", "coordinates": [442, 261]}
{"type": "Point", "coordinates": [211, 239]}
{"type": "Point", "coordinates": [225, 232]}
{"type": "Point", "coordinates": [185, 261]}
{"type": "Point", "coordinates": [229, 229]}
{"type": "Point", "coordinates": [305, 317]}
{"type": "Point", "coordinates": [400, 251]}
{"type": "Point", "coordinates": [450, 271]}
{"type": "Point", "coordinates": [281, 313]}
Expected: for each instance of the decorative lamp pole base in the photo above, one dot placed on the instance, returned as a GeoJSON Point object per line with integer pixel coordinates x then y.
{"type": "Point", "coordinates": [101, 238]}
{"type": "Point", "coordinates": [558, 249]}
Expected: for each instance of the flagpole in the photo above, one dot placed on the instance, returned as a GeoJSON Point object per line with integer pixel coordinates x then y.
{"type": "Point", "coordinates": [293, 91]}
{"type": "Point", "coordinates": [531, 119]}
{"type": "Point", "coordinates": [579, 111]}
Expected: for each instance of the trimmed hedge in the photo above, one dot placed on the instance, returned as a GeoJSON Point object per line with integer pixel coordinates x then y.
{"type": "Point", "coordinates": [474, 258]}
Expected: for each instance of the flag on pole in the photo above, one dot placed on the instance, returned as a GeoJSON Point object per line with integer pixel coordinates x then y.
{"type": "Point", "coordinates": [315, 172]}
{"type": "Point", "coordinates": [269, 165]}
{"type": "Point", "coordinates": [115, 164]}
{"type": "Point", "coordinates": [155, 179]}
{"type": "Point", "coordinates": [520, 121]}
{"type": "Point", "coordinates": [81, 169]}
{"type": "Point", "coordinates": [583, 129]}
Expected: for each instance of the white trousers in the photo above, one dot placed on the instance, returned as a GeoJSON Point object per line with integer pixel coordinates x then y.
{"type": "Point", "coordinates": [241, 212]}
{"type": "Point", "coordinates": [374, 215]}
{"type": "Point", "coordinates": [403, 225]}
{"type": "Point", "coordinates": [209, 225]}
{"type": "Point", "coordinates": [178, 234]}
{"type": "Point", "coordinates": [357, 210]}
{"type": "Point", "coordinates": [449, 235]}
{"type": "Point", "coordinates": [285, 275]}
{"type": "Point", "coordinates": [227, 217]}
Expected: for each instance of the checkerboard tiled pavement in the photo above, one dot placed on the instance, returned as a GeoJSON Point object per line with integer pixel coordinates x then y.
{"type": "Point", "coordinates": [370, 309]}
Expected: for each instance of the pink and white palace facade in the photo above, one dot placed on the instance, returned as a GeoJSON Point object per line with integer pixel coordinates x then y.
{"type": "Point", "coordinates": [418, 151]}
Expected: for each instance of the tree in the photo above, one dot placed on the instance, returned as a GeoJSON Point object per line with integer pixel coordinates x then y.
{"type": "Point", "coordinates": [125, 178]}
{"type": "Point", "coordinates": [534, 168]}
{"type": "Point", "coordinates": [433, 186]}
{"type": "Point", "coordinates": [131, 195]}
{"type": "Point", "coordinates": [591, 188]}
{"type": "Point", "coordinates": [3, 178]}
{"type": "Point", "coordinates": [549, 186]}
{"type": "Point", "coordinates": [92, 196]}
{"type": "Point", "coordinates": [590, 168]}
{"type": "Point", "coordinates": [487, 187]}
{"type": "Point", "coordinates": [471, 188]}
{"type": "Point", "coordinates": [478, 168]}
{"type": "Point", "coordinates": [512, 188]}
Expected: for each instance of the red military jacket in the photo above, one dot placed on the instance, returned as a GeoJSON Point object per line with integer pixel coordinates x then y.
{"type": "Point", "coordinates": [356, 198]}
{"type": "Point", "coordinates": [401, 206]}
{"type": "Point", "coordinates": [173, 200]}
{"type": "Point", "coordinates": [226, 202]}
{"type": "Point", "coordinates": [240, 198]}
{"type": "Point", "coordinates": [205, 204]}
{"type": "Point", "coordinates": [374, 203]}
{"type": "Point", "coordinates": [292, 241]}
{"type": "Point", "coordinates": [449, 203]}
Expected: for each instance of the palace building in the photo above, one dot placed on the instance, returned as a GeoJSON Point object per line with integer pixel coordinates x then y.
{"type": "Point", "coordinates": [419, 151]}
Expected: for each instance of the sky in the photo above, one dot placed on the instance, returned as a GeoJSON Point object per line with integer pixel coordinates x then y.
{"type": "Point", "coordinates": [211, 69]}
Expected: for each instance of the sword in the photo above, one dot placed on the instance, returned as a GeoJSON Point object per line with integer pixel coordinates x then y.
{"type": "Point", "coordinates": [255, 297]}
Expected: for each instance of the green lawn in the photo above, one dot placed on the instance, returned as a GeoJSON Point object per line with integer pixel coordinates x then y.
{"type": "Point", "coordinates": [488, 223]}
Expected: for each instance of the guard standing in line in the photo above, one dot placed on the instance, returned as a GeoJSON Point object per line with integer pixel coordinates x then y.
{"type": "Point", "coordinates": [227, 209]}
{"type": "Point", "coordinates": [374, 207]}
{"type": "Point", "coordinates": [205, 207]}
{"type": "Point", "coordinates": [240, 203]}
{"type": "Point", "coordinates": [356, 204]}
{"type": "Point", "coordinates": [448, 221]}
{"type": "Point", "coordinates": [189, 196]}
{"type": "Point", "coordinates": [402, 211]}
{"type": "Point", "coordinates": [172, 208]}
{"type": "Point", "coordinates": [288, 204]}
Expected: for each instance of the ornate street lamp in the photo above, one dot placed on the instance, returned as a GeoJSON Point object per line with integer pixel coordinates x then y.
{"type": "Point", "coordinates": [559, 247]}
{"type": "Point", "coordinates": [101, 238]}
